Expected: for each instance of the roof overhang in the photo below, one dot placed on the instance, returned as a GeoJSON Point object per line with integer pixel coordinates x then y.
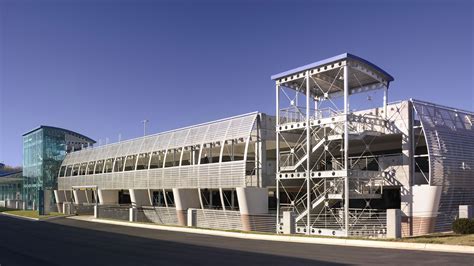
{"type": "Point", "coordinates": [326, 76]}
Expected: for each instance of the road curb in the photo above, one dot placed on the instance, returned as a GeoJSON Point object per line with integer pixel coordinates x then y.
{"type": "Point", "coordinates": [296, 239]}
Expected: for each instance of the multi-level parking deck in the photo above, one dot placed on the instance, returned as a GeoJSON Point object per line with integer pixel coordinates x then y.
{"type": "Point", "coordinates": [319, 148]}
{"type": "Point", "coordinates": [212, 166]}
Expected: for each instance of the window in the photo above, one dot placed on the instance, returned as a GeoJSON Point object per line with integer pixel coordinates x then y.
{"type": "Point", "coordinates": [188, 156]}
{"type": "Point", "coordinates": [69, 170]}
{"type": "Point", "coordinates": [228, 151]}
{"type": "Point", "coordinates": [82, 169]}
{"type": "Point", "coordinates": [172, 158]}
{"type": "Point", "coordinates": [130, 163]}
{"type": "Point", "coordinates": [119, 163]}
{"type": "Point", "coordinates": [62, 171]}
{"type": "Point", "coordinates": [210, 153]}
{"type": "Point", "coordinates": [109, 163]}
{"type": "Point", "coordinates": [75, 170]}
{"type": "Point", "coordinates": [90, 168]}
{"type": "Point", "coordinates": [99, 167]}
{"type": "Point", "coordinates": [156, 160]}
{"type": "Point", "coordinates": [142, 161]}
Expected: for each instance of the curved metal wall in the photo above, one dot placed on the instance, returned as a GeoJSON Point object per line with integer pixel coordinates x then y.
{"type": "Point", "coordinates": [450, 139]}
{"type": "Point", "coordinates": [224, 174]}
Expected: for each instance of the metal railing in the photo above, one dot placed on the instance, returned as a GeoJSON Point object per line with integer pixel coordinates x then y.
{"type": "Point", "coordinates": [157, 215]}
{"type": "Point", "coordinates": [296, 114]}
{"type": "Point", "coordinates": [114, 212]}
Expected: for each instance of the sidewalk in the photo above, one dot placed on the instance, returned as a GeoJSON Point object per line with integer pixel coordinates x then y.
{"type": "Point", "coordinates": [293, 239]}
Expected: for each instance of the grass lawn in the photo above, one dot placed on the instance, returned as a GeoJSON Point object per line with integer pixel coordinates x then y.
{"type": "Point", "coordinates": [3, 209]}
{"type": "Point", "coordinates": [442, 238]}
{"type": "Point", "coordinates": [29, 213]}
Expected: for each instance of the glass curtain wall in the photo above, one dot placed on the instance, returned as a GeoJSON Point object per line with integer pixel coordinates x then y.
{"type": "Point", "coordinates": [43, 152]}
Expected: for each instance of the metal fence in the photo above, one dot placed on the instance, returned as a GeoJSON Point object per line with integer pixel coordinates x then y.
{"type": "Point", "coordinates": [114, 212]}
{"type": "Point", "coordinates": [219, 219]}
{"type": "Point", "coordinates": [157, 215]}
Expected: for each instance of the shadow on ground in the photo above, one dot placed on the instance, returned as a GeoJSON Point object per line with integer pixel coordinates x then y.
{"type": "Point", "coordinates": [68, 242]}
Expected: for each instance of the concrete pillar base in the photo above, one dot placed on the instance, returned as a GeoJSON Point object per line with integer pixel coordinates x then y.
{"type": "Point", "coordinates": [192, 217]}
{"type": "Point", "coordinates": [289, 221]}
{"type": "Point", "coordinates": [252, 201]}
{"type": "Point", "coordinates": [394, 223]}
{"type": "Point", "coordinates": [182, 217]}
{"type": "Point", "coordinates": [466, 212]}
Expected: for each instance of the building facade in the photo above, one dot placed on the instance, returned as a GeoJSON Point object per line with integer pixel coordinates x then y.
{"type": "Point", "coordinates": [333, 160]}
{"type": "Point", "coordinates": [44, 149]}
{"type": "Point", "coordinates": [220, 165]}
{"type": "Point", "coordinates": [11, 185]}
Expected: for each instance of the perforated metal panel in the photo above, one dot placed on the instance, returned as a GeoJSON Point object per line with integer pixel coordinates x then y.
{"type": "Point", "coordinates": [212, 175]}
{"type": "Point", "coordinates": [218, 219]}
{"type": "Point", "coordinates": [450, 139]}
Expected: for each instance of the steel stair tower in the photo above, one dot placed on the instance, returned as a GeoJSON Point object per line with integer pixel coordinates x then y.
{"type": "Point", "coordinates": [315, 127]}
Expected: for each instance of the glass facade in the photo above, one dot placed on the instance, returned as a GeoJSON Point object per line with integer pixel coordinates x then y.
{"type": "Point", "coordinates": [10, 186]}
{"type": "Point", "coordinates": [43, 151]}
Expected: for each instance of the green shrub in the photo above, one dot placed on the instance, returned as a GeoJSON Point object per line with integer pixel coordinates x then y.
{"type": "Point", "coordinates": [463, 226]}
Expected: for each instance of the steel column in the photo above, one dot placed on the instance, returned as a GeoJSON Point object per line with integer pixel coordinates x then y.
{"type": "Point", "coordinates": [346, 148]}
{"type": "Point", "coordinates": [385, 101]}
{"type": "Point", "coordinates": [308, 161]}
{"type": "Point", "coordinates": [277, 163]}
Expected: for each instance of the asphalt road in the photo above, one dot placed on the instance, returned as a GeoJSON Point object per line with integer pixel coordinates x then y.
{"type": "Point", "coordinates": [71, 242]}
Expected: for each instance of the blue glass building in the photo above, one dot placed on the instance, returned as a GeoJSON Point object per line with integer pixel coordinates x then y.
{"type": "Point", "coordinates": [44, 148]}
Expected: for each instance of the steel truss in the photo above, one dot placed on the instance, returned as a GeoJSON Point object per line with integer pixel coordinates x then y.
{"type": "Point", "coordinates": [318, 173]}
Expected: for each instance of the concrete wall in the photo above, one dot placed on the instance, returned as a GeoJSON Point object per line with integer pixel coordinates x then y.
{"type": "Point", "coordinates": [108, 196]}
{"type": "Point", "coordinates": [140, 197]}
{"type": "Point", "coordinates": [252, 201]}
{"type": "Point", "coordinates": [185, 199]}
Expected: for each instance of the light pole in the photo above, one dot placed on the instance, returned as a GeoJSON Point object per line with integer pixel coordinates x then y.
{"type": "Point", "coordinates": [144, 126]}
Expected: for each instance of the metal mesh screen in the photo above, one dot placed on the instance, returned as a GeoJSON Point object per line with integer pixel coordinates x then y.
{"type": "Point", "coordinates": [449, 136]}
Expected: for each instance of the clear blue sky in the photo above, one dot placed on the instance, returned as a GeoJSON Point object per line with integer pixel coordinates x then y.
{"type": "Point", "coordinates": [100, 67]}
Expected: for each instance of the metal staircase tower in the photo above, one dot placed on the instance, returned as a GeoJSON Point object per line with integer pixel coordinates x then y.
{"type": "Point", "coordinates": [317, 171]}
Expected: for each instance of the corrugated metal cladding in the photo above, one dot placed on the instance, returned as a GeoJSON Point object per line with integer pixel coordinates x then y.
{"type": "Point", "coordinates": [450, 140]}
{"type": "Point", "coordinates": [226, 174]}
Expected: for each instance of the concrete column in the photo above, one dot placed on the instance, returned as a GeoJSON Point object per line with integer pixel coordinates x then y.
{"type": "Point", "coordinates": [394, 223]}
{"type": "Point", "coordinates": [289, 222]}
{"type": "Point", "coordinates": [60, 197]}
{"type": "Point", "coordinates": [405, 175]}
{"type": "Point", "coordinates": [108, 197]}
{"type": "Point", "coordinates": [67, 208]}
{"type": "Point", "coordinates": [185, 199]}
{"type": "Point", "coordinates": [24, 205]}
{"type": "Point", "coordinates": [139, 197]}
{"type": "Point", "coordinates": [192, 217]}
{"type": "Point", "coordinates": [89, 197]}
{"type": "Point", "coordinates": [466, 212]}
{"type": "Point", "coordinates": [79, 196]}
{"type": "Point", "coordinates": [47, 201]}
{"type": "Point", "coordinates": [67, 195]}
{"type": "Point", "coordinates": [252, 201]}
{"type": "Point", "coordinates": [132, 214]}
